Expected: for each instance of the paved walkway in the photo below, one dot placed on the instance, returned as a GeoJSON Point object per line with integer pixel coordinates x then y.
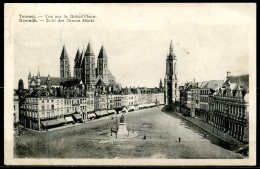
{"type": "Point", "coordinates": [65, 126]}
{"type": "Point", "coordinates": [209, 128]}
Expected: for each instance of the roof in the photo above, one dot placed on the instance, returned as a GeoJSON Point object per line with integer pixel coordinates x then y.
{"type": "Point", "coordinates": [100, 82]}
{"type": "Point", "coordinates": [41, 92]}
{"type": "Point", "coordinates": [102, 53]}
{"type": "Point", "coordinates": [89, 51]}
{"type": "Point", "coordinates": [212, 84]}
{"type": "Point", "coordinates": [54, 80]}
{"type": "Point", "coordinates": [81, 58]}
{"type": "Point", "coordinates": [71, 82]}
{"type": "Point", "coordinates": [189, 85]}
{"type": "Point", "coordinates": [111, 78]}
{"type": "Point", "coordinates": [171, 53]}
{"type": "Point", "coordinates": [77, 57]}
{"type": "Point", "coordinates": [241, 80]}
{"type": "Point", "coordinates": [64, 54]}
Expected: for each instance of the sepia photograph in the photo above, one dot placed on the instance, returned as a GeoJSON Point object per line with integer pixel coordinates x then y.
{"type": "Point", "coordinates": [165, 84]}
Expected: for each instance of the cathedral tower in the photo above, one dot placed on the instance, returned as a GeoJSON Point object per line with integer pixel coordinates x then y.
{"type": "Point", "coordinates": [64, 64]}
{"type": "Point", "coordinates": [88, 68]}
{"type": "Point", "coordinates": [170, 82]}
{"type": "Point", "coordinates": [102, 68]}
{"type": "Point", "coordinates": [77, 65]}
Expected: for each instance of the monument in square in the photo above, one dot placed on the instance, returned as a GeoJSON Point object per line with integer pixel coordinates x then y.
{"type": "Point", "coordinates": [122, 131]}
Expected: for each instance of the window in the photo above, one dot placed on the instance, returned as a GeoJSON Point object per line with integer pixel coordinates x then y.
{"type": "Point", "coordinates": [52, 107]}
{"type": "Point", "coordinates": [43, 107]}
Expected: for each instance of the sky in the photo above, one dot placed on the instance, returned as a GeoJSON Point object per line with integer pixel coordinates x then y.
{"type": "Point", "coordinates": [208, 40]}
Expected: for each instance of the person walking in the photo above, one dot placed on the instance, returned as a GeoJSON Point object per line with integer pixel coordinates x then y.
{"type": "Point", "coordinates": [179, 139]}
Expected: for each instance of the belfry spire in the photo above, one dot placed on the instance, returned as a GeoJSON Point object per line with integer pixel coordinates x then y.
{"type": "Point", "coordinates": [171, 49]}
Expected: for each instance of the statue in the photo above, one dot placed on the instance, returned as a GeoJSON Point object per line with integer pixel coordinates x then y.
{"type": "Point", "coordinates": [122, 131]}
{"type": "Point", "coordinates": [122, 119]}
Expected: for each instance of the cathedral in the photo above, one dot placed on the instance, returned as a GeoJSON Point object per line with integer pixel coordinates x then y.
{"type": "Point", "coordinates": [87, 73]}
{"type": "Point", "coordinates": [171, 92]}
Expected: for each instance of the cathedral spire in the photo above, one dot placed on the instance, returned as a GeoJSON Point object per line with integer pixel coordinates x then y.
{"type": "Point", "coordinates": [38, 74]}
{"type": "Point", "coordinates": [77, 55]}
{"type": "Point", "coordinates": [102, 52]}
{"type": "Point", "coordinates": [29, 76]}
{"type": "Point", "coordinates": [89, 51]}
{"type": "Point", "coordinates": [64, 54]}
{"type": "Point", "coordinates": [82, 56]}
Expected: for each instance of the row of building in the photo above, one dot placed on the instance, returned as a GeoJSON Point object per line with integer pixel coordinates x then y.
{"type": "Point", "coordinates": [93, 89]}
{"type": "Point", "coordinates": [38, 109]}
{"type": "Point", "coordinates": [221, 103]}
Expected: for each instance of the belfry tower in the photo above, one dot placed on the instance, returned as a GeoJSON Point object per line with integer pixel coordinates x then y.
{"type": "Point", "coordinates": [170, 81]}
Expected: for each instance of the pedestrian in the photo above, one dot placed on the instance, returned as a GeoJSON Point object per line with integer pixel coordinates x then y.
{"type": "Point", "coordinates": [179, 139]}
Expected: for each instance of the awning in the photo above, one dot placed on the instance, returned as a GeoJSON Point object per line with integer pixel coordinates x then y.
{"type": "Point", "coordinates": [145, 105]}
{"type": "Point", "coordinates": [69, 119]}
{"type": "Point", "coordinates": [90, 115]}
{"type": "Point", "coordinates": [140, 106]}
{"type": "Point", "coordinates": [61, 120]}
{"type": "Point", "coordinates": [112, 111]}
{"type": "Point", "coordinates": [153, 104]}
{"type": "Point", "coordinates": [77, 116]}
{"type": "Point", "coordinates": [131, 108]}
{"type": "Point", "coordinates": [50, 122]}
{"type": "Point", "coordinates": [124, 109]}
{"type": "Point", "coordinates": [101, 112]}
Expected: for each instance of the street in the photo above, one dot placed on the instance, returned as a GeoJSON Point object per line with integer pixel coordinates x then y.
{"type": "Point", "coordinates": [93, 140]}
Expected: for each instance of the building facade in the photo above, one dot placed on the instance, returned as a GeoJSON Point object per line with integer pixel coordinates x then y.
{"type": "Point", "coordinates": [16, 110]}
{"type": "Point", "coordinates": [230, 107]}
